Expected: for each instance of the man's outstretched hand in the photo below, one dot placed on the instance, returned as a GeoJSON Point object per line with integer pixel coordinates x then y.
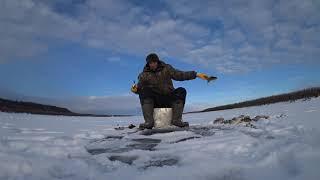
{"type": "Point", "coordinates": [206, 77]}
{"type": "Point", "coordinates": [202, 76]}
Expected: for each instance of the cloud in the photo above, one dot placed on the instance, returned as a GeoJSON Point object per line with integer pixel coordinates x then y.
{"type": "Point", "coordinates": [229, 37]}
{"type": "Point", "coordinates": [27, 27]}
{"type": "Point", "coordinates": [260, 25]}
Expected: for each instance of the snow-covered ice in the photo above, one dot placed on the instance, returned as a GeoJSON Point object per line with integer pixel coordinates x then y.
{"type": "Point", "coordinates": [285, 146]}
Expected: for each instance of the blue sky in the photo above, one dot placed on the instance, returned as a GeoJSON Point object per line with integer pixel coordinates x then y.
{"type": "Point", "coordinates": [84, 54]}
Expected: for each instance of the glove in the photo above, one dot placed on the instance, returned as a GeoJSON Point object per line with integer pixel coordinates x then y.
{"type": "Point", "coordinates": [206, 77]}
{"type": "Point", "coordinates": [134, 88]}
{"type": "Point", "coordinates": [202, 76]}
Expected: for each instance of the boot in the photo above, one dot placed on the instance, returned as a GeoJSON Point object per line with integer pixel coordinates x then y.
{"type": "Point", "coordinates": [177, 109]}
{"type": "Point", "coordinates": [147, 111]}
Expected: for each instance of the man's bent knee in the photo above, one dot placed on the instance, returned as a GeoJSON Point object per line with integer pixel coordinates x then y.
{"type": "Point", "coordinates": [146, 93]}
{"type": "Point", "coordinates": [180, 93]}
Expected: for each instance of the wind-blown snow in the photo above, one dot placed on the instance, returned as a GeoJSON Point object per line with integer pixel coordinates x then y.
{"type": "Point", "coordinates": [285, 146]}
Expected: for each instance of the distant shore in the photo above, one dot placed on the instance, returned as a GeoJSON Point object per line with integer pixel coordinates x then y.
{"type": "Point", "coordinates": [305, 94]}
{"type": "Point", "coordinates": [36, 108]}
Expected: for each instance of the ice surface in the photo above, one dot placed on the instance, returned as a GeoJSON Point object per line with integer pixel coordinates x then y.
{"type": "Point", "coordinates": [285, 146]}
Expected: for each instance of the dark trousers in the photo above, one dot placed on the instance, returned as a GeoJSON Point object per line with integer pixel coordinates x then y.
{"type": "Point", "coordinates": [163, 101]}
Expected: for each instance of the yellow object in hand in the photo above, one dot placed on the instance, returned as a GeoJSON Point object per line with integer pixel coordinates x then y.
{"type": "Point", "coordinates": [206, 77]}
{"type": "Point", "coordinates": [134, 88]}
{"type": "Point", "coordinates": [202, 76]}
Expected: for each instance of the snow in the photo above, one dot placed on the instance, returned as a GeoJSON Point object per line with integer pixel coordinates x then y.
{"type": "Point", "coordinates": [285, 146]}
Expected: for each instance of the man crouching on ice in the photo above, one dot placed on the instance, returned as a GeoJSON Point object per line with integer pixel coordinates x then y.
{"type": "Point", "coordinates": [155, 89]}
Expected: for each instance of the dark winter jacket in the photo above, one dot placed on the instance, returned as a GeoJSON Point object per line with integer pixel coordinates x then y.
{"type": "Point", "coordinates": [160, 80]}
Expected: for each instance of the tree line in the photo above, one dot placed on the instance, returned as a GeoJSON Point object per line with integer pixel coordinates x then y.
{"type": "Point", "coordinates": [36, 108]}
{"type": "Point", "coordinates": [30, 107]}
{"type": "Point", "coordinates": [305, 94]}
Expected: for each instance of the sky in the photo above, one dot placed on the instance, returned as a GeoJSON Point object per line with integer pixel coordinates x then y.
{"type": "Point", "coordinates": [85, 54]}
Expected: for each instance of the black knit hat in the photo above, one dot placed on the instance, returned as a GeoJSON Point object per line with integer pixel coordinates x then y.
{"type": "Point", "coordinates": [152, 57]}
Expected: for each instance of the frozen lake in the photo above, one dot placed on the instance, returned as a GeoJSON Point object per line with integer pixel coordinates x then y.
{"type": "Point", "coordinates": [285, 146]}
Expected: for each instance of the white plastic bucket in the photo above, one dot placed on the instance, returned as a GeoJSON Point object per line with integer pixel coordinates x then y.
{"type": "Point", "coordinates": [162, 117]}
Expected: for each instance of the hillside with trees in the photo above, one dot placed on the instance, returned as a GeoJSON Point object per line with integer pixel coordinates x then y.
{"type": "Point", "coordinates": [305, 94]}
{"type": "Point", "coordinates": [36, 108]}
